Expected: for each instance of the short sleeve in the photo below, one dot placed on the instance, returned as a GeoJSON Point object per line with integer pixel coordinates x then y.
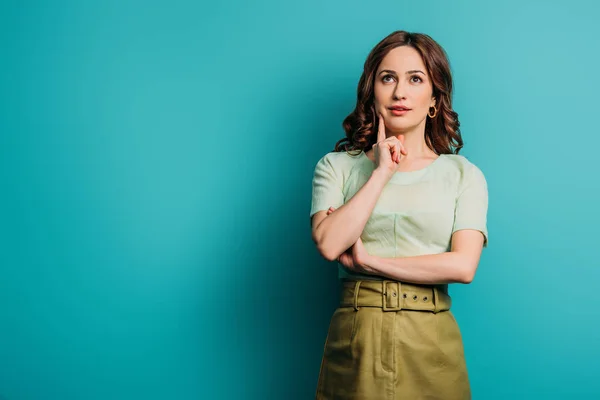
{"type": "Point", "coordinates": [472, 203]}
{"type": "Point", "coordinates": [326, 186]}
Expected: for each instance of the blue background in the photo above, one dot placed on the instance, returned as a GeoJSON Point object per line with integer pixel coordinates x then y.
{"type": "Point", "coordinates": [156, 163]}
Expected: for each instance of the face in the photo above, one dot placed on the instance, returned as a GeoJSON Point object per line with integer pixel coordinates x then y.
{"type": "Point", "coordinates": [402, 80]}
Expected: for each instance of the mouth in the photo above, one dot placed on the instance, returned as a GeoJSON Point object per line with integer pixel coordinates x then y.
{"type": "Point", "coordinates": [399, 111]}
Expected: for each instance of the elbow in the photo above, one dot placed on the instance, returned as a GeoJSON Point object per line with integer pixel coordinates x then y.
{"type": "Point", "coordinates": [467, 274]}
{"type": "Point", "coordinates": [326, 253]}
{"type": "Point", "coordinates": [329, 246]}
{"type": "Point", "coordinates": [324, 248]}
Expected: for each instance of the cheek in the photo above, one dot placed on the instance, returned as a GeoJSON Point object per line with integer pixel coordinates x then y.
{"type": "Point", "coordinates": [424, 98]}
{"type": "Point", "coordinates": [377, 105]}
{"type": "Point", "coordinates": [376, 99]}
{"type": "Point", "coordinates": [380, 94]}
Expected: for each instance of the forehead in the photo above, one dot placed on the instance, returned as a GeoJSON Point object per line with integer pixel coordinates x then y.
{"type": "Point", "coordinates": [401, 59]}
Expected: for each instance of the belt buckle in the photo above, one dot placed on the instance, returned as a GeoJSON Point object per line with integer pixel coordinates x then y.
{"type": "Point", "coordinates": [393, 293]}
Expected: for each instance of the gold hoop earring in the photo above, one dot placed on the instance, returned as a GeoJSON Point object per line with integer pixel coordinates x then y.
{"type": "Point", "coordinates": [434, 112]}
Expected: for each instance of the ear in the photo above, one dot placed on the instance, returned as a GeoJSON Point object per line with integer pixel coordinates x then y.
{"type": "Point", "coordinates": [433, 104]}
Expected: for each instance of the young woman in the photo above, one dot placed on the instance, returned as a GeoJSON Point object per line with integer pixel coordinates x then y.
{"type": "Point", "coordinates": [404, 215]}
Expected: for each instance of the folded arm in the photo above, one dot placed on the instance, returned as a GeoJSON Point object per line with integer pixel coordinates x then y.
{"type": "Point", "coordinates": [455, 266]}
{"type": "Point", "coordinates": [335, 233]}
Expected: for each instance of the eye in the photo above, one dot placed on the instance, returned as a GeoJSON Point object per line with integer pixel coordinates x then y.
{"type": "Point", "coordinates": [386, 76]}
{"type": "Point", "coordinates": [416, 76]}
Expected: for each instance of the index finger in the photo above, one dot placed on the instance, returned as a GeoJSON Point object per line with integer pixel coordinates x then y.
{"type": "Point", "coordinates": [381, 130]}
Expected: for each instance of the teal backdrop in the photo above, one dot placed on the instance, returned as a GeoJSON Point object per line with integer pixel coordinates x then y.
{"type": "Point", "coordinates": [156, 162]}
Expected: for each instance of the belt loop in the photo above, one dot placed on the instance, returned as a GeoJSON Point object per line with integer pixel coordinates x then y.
{"type": "Point", "coordinates": [436, 296]}
{"type": "Point", "coordinates": [356, 287]}
{"type": "Point", "coordinates": [394, 295]}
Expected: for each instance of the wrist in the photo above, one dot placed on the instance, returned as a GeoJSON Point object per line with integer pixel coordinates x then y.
{"type": "Point", "coordinates": [381, 175]}
{"type": "Point", "coordinates": [369, 263]}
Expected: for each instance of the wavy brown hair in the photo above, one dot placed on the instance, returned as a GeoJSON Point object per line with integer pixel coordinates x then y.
{"type": "Point", "coordinates": [442, 133]}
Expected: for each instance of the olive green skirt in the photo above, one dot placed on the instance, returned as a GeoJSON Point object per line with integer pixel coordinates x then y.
{"type": "Point", "coordinates": [393, 340]}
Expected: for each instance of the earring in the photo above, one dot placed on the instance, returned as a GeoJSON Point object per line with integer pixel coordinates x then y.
{"type": "Point", "coordinates": [434, 112]}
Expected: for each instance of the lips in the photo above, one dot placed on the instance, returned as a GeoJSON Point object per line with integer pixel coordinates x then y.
{"type": "Point", "coordinates": [399, 108]}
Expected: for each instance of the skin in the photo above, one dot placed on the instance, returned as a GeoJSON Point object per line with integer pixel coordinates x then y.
{"type": "Point", "coordinates": [397, 83]}
{"type": "Point", "coordinates": [401, 147]}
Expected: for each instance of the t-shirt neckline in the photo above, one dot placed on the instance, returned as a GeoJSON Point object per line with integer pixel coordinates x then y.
{"type": "Point", "coordinates": [401, 176]}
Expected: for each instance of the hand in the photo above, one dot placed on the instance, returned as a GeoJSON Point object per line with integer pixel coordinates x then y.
{"type": "Point", "coordinates": [356, 257]}
{"type": "Point", "coordinates": [388, 152]}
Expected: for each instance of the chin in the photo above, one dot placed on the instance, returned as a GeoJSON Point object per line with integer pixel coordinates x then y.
{"type": "Point", "coordinates": [399, 126]}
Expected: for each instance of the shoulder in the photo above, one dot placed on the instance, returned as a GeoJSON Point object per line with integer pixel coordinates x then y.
{"type": "Point", "coordinates": [464, 171]}
{"type": "Point", "coordinates": [341, 157]}
{"type": "Point", "coordinates": [462, 164]}
{"type": "Point", "coordinates": [339, 161]}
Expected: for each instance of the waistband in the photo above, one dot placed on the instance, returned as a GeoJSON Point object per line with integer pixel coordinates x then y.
{"type": "Point", "coordinates": [393, 296]}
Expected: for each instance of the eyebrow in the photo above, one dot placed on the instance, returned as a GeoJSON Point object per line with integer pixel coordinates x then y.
{"type": "Point", "coordinates": [412, 71]}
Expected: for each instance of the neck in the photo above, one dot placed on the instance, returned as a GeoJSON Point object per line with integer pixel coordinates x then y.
{"type": "Point", "coordinates": [414, 142]}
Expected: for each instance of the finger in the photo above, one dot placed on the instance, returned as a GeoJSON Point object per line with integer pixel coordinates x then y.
{"type": "Point", "coordinates": [393, 146]}
{"type": "Point", "coordinates": [386, 149]}
{"type": "Point", "coordinates": [381, 130]}
{"type": "Point", "coordinates": [343, 259]}
{"type": "Point", "coordinates": [403, 149]}
{"type": "Point", "coordinates": [397, 145]}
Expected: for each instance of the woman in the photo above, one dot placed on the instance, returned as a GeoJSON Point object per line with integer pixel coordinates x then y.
{"type": "Point", "coordinates": [404, 215]}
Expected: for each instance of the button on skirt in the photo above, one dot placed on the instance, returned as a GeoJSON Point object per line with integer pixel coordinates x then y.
{"type": "Point", "coordinates": [375, 354]}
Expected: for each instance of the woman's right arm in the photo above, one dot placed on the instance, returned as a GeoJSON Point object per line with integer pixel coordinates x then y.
{"type": "Point", "coordinates": [335, 233]}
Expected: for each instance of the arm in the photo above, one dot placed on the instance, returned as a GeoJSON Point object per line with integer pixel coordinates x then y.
{"type": "Point", "coordinates": [456, 266]}
{"type": "Point", "coordinates": [335, 233]}
{"type": "Point", "coordinates": [468, 239]}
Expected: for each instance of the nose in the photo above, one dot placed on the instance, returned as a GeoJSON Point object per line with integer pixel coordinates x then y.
{"type": "Point", "coordinates": [399, 91]}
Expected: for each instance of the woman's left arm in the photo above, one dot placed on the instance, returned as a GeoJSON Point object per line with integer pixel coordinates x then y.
{"type": "Point", "coordinates": [455, 266]}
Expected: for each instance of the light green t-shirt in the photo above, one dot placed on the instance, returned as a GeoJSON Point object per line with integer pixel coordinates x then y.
{"type": "Point", "coordinates": [417, 211]}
